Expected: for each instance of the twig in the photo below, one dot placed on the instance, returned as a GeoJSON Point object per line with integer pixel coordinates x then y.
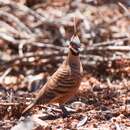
{"type": "Point", "coordinates": [8, 104]}
{"type": "Point", "coordinates": [22, 8]}
{"type": "Point", "coordinates": [110, 48]}
{"type": "Point", "coordinates": [8, 27]}
{"type": "Point", "coordinates": [126, 96]}
{"type": "Point", "coordinates": [5, 74]}
{"type": "Point", "coordinates": [111, 42]}
{"type": "Point", "coordinates": [126, 14]}
{"type": "Point", "coordinates": [20, 49]}
{"type": "Point", "coordinates": [92, 60]}
{"type": "Point", "coordinates": [28, 55]}
{"type": "Point", "coordinates": [8, 38]}
{"type": "Point", "coordinates": [43, 45]}
{"type": "Point", "coordinates": [124, 8]}
{"type": "Point", "coordinates": [20, 25]}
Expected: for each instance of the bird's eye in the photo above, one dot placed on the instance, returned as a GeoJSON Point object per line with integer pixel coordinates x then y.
{"type": "Point", "coordinates": [74, 45]}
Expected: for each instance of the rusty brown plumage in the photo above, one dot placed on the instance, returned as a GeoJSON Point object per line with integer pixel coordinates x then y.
{"type": "Point", "coordinates": [64, 83]}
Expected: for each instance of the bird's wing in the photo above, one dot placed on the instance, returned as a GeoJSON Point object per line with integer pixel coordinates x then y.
{"type": "Point", "coordinates": [60, 83]}
{"type": "Point", "coordinates": [63, 79]}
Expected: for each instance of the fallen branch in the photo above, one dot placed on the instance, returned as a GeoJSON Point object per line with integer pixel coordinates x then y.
{"type": "Point", "coordinates": [23, 8]}
{"type": "Point", "coordinates": [111, 42]}
{"type": "Point", "coordinates": [110, 48]}
{"type": "Point", "coordinates": [8, 104]}
{"type": "Point", "coordinates": [19, 24]}
{"type": "Point", "coordinates": [8, 27]}
{"type": "Point", "coordinates": [8, 38]}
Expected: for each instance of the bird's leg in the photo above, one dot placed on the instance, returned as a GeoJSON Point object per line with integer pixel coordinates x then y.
{"type": "Point", "coordinates": [65, 113]}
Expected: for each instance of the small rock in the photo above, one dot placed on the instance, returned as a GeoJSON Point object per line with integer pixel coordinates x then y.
{"type": "Point", "coordinates": [82, 122]}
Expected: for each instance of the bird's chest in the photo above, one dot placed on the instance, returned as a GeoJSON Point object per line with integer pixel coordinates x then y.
{"type": "Point", "coordinates": [75, 77]}
{"type": "Point", "coordinates": [76, 71]}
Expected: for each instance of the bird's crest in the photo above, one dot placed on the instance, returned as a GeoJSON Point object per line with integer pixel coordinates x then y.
{"type": "Point", "coordinates": [75, 37]}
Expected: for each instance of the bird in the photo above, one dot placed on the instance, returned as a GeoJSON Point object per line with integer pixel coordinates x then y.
{"type": "Point", "coordinates": [65, 82]}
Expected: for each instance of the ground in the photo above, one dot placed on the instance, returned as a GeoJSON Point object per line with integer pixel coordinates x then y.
{"type": "Point", "coordinates": [33, 44]}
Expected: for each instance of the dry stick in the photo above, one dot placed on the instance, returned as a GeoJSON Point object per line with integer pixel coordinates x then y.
{"type": "Point", "coordinates": [8, 38]}
{"type": "Point", "coordinates": [96, 46]}
{"type": "Point", "coordinates": [20, 48]}
{"type": "Point", "coordinates": [126, 96]}
{"type": "Point", "coordinates": [8, 27]}
{"type": "Point", "coordinates": [5, 74]}
{"type": "Point", "coordinates": [124, 8]}
{"type": "Point", "coordinates": [40, 54]}
{"type": "Point", "coordinates": [51, 56]}
{"type": "Point", "coordinates": [28, 55]}
{"type": "Point", "coordinates": [110, 42]}
{"type": "Point", "coordinates": [23, 8]}
{"type": "Point", "coordinates": [38, 44]}
{"type": "Point", "coordinates": [60, 51]}
{"type": "Point", "coordinates": [55, 57]}
{"type": "Point", "coordinates": [20, 25]}
{"type": "Point", "coordinates": [118, 18]}
{"type": "Point", "coordinates": [101, 58]}
{"type": "Point", "coordinates": [61, 22]}
{"type": "Point", "coordinates": [8, 104]}
{"type": "Point", "coordinates": [126, 14]}
{"type": "Point", "coordinates": [11, 39]}
{"type": "Point", "coordinates": [44, 45]}
{"type": "Point", "coordinates": [57, 22]}
{"type": "Point", "coordinates": [110, 48]}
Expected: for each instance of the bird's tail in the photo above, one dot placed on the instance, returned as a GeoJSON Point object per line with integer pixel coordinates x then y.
{"type": "Point", "coordinates": [28, 108]}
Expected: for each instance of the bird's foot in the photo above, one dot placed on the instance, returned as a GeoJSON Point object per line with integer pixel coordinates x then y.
{"type": "Point", "coordinates": [65, 113]}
